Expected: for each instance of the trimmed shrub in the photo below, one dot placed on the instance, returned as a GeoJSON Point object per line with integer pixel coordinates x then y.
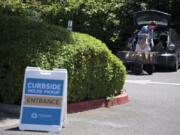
{"type": "Point", "coordinates": [94, 72]}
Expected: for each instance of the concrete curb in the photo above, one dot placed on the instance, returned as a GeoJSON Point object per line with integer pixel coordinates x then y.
{"type": "Point", "coordinates": [75, 107]}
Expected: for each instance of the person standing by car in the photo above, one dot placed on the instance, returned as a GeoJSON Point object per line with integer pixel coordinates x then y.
{"type": "Point", "coordinates": [145, 44]}
{"type": "Point", "coordinates": [145, 38]}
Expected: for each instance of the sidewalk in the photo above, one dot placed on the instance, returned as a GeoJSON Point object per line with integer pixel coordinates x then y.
{"type": "Point", "coordinates": [7, 119]}
{"type": "Point", "coordinates": [9, 114]}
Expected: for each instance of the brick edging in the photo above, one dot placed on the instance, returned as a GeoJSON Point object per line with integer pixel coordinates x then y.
{"type": "Point", "coordinates": [75, 107]}
{"type": "Point", "coordinates": [93, 104]}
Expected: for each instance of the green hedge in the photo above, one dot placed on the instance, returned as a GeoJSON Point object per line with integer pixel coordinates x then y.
{"type": "Point", "coordinates": [94, 72]}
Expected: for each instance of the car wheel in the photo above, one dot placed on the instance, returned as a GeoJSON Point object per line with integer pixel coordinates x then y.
{"type": "Point", "coordinates": [176, 66]}
{"type": "Point", "coordinates": [149, 68]}
{"type": "Point", "coordinates": [137, 69]}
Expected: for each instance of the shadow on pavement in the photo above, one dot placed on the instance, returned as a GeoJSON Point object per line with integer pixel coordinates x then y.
{"type": "Point", "coordinates": [16, 128]}
{"type": "Point", "coordinates": [13, 129]}
{"type": "Point", "coordinates": [142, 74]}
{"type": "Point", "coordinates": [157, 69]}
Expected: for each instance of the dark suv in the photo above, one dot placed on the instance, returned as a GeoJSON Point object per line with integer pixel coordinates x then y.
{"type": "Point", "coordinates": [166, 50]}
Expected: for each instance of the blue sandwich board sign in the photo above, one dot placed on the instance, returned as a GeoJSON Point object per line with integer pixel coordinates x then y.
{"type": "Point", "coordinates": [44, 100]}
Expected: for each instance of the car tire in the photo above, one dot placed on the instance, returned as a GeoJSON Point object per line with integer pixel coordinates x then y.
{"type": "Point", "coordinates": [137, 69]}
{"type": "Point", "coordinates": [176, 66]}
{"type": "Point", "coordinates": [149, 68]}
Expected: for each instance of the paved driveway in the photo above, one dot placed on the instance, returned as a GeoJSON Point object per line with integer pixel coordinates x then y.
{"type": "Point", "coordinates": [153, 109]}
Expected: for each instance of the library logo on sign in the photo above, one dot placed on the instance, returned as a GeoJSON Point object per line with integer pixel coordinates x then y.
{"type": "Point", "coordinates": [34, 115]}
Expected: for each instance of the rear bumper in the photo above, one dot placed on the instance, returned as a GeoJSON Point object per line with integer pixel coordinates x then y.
{"type": "Point", "coordinates": [166, 59]}
{"type": "Point", "coordinates": [161, 59]}
{"type": "Point", "coordinates": [136, 57]}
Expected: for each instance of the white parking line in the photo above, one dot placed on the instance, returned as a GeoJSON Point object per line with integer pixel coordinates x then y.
{"type": "Point", "coordinates": [100, 123]}
{"type": "Point", "coordinates": [144, 82]}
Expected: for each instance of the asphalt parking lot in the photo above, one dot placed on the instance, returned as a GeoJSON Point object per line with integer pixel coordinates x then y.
{"type": "Point", "coordinates": [153, 109]}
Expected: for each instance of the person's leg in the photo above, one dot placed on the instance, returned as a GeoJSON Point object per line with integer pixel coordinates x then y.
{"type": "Point", "coordinates": [138, 48]}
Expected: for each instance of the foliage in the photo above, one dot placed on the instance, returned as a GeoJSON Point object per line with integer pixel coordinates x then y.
{"type": "Point", "coordinates": [169, 6]}
{"type": "Point", "coordinates": [94, 72]}
{"type": "Point", "coordinates": [103, 19]}
{"type": "Point", "coordinates": [108, 20]}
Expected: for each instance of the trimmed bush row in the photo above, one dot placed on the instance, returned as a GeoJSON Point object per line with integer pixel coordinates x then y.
{"type": "Point", "coordinates": [94, 72]}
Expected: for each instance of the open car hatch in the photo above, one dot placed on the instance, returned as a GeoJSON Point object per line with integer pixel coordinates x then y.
{"type": "Point", "coordinates": [142, 18]}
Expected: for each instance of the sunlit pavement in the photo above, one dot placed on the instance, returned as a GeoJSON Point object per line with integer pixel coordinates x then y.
{"type": "Point", "coordinates": [153, 109]}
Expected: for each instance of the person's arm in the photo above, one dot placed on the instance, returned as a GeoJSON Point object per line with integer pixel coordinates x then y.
{"type": "Point", "coordinates": [151, 38]}
{"type": "Point", "coordinates": [142, 32]}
